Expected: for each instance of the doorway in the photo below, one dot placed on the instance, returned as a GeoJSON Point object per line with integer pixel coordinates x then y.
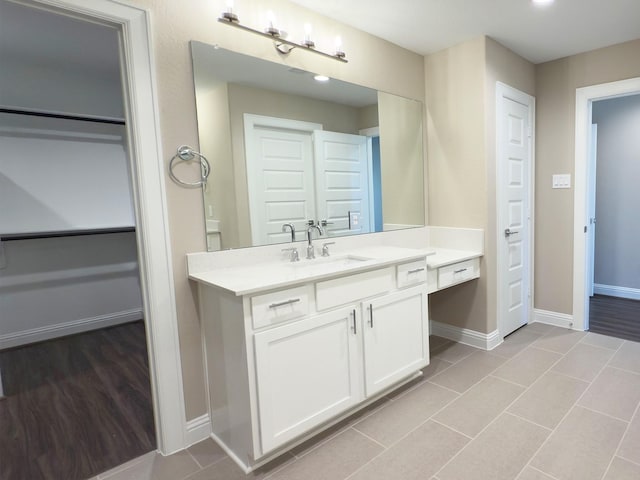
{"type": "Point", "coordinates": [152, 236]}
{"type": "Point", "coordinates": [73, 349]}
{"type": "Point", "coordinates": [299, 173]}
{"type": "Point", "coordinates": [614, 226]}
{"type": "Point", "coordinates": [515, 119]}
{"type": "Point", "coordinates": [583, 215]}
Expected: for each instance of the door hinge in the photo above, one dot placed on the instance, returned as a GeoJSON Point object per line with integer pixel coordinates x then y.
{"type": "Point", "coordinates": [585, 229]}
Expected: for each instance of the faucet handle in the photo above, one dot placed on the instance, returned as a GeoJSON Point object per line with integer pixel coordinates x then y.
{"type": "Point", "coordinates": [325, 248]}
{"type": "Point", "coordinates": [295, 256]}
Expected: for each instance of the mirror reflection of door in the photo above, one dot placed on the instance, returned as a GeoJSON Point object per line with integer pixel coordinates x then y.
{"type": "Point", "coordinates": [298, 172]}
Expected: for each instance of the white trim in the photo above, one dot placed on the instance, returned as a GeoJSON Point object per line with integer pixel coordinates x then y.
{"type": "Point", "coordinates": [584, 99]}
{"type": "Point", "coordinates": [563, 320]}
{"type": "Point", "coordinates": [485, 341]}
{"type": "Point", "coordinates": [68, 328]}
{"type": "Point", "coordinates": [152, 233]}
{"type": "Point", "coordinates": [197, 430]}
{"type": "Point", "coordinates": [370, 132]}
{"type": "Point", "coordinates": [505, 91]}
{"type": "Point", "coordinates": [619, 292]}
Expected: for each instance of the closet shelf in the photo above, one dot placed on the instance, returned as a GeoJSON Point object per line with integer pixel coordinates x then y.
{"type": "Point", "coordinates": [63, 116]}
{"type": "Point", "coordinates": [66, 233]}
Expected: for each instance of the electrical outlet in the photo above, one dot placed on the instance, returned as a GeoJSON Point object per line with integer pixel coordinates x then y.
{"type": "Point", "coordinates": [354, 220]}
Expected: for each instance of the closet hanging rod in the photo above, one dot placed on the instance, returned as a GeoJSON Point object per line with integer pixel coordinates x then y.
{"type": "Point", "coordinates": [66, 233]}
{"type": "Point", "coordinates": [63, 116]}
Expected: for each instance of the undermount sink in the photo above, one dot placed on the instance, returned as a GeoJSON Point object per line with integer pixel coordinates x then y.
{"type": "Point", "coordinates": [329, 262]}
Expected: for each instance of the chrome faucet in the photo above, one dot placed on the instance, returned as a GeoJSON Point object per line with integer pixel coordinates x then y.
{"type": "Point", "coordinates": [293, 230]}
{"type": "Point", "coordinates": [310, 251]}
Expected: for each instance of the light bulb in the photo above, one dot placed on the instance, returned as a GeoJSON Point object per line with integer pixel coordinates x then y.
{"type": "Point", "coordinates": [339, 50]}
{"type": "Point", "coordinates": [307, 36]}
{"type": "Point", "coordinates": [271, 28]}
{"type": "Point", "coordinates": [271, 18]}
{"type": "Point", "coordinates": [228, 13]}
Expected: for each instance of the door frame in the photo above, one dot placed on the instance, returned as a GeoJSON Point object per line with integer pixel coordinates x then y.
{"type": "Point", "coordinates": [585, 97]}
{"type": "Point", "coordinates": [505, 91]}
{"type": "Point", "coordinates": [152, 232]}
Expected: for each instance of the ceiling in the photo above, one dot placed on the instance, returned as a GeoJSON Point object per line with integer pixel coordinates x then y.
{"type": "Point", "coordinates": [539, 34]}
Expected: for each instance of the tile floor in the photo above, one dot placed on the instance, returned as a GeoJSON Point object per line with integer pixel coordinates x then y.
{"type": "Point", "coordinates": [548, 403]}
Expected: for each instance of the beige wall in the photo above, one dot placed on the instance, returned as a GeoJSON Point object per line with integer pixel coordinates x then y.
{"type": "Point", "coordinates": [402, 160]}
{"type": "Point", "coordinates": [454, 83]}
{"type": "Point", "coordinates": [372, 62]}
{"type": "Point", "coordinates": [215, 143]}
{"type": "Point", "coordinates": [460, 98]}
{"type": "Point", "coordinates": [556, 84]}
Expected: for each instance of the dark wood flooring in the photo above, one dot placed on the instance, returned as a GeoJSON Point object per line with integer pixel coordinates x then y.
{"type": "Point", "coordinates": [616, 317]}
{"type": "Point", "coordinates": [76, 406]}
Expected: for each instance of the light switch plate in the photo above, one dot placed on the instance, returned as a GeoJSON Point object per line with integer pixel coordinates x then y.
{"type": "Point", "coordinates": [561, 181]}
{"type": "Point", "coordinates": [354, 220]}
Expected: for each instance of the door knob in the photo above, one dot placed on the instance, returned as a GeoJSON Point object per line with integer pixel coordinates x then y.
{"type": "Point", "coordinates": [508, 232]}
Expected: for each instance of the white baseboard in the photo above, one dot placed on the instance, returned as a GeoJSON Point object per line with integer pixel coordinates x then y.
{"type": "Point", "coordinates": [16, 339]}
{"type": "Point", "coordinates": [485, 341]}
{"type": "Point", "coordinates": [198, 429]}
{"type": "Point", "coordinates": [563, 320]}
{"type": "Point", "coordinates": [620, 292]}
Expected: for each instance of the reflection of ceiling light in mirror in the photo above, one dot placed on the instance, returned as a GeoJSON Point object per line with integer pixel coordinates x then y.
{"type": "Point", "coordinates": [321, 78]}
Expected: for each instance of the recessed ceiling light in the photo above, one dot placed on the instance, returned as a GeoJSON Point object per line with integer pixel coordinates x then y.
{"type": "Point", "coordinates": [321, 78]}
{"type": "Point", "coordinates": [542, 2]}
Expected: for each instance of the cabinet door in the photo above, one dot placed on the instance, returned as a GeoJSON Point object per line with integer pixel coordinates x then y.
{"type": "Point", "coordinates": [396, 337]}
{"type": "Point", "coordinates": [307, 372]}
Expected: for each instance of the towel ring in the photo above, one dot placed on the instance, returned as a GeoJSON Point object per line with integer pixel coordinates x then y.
{"type": "Point", "coordinates": [188, 154]}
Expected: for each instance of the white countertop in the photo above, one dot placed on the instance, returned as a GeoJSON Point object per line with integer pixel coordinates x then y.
{"type": "Point", "coordinates": [443, 256]}
{"type": "Point", "coordinates": [244, 280]}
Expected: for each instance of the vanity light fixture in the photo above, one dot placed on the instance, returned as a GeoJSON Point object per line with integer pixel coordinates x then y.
{"type": "Point", "coordinates": [284, 46]}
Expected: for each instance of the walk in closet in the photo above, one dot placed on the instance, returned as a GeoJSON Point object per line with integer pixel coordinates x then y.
{"type": "Point", "coordinates": [74, 381]}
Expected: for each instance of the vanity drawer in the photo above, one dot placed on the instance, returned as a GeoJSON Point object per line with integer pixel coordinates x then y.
{"type": "Point", "coordinates": [412, 273]}
{"type": "Point", "coordinates": [458, 272]}
{"type": "Point", "coordinates": [352, 288]}
{"type": "Point", "coordinates": [280, 306]}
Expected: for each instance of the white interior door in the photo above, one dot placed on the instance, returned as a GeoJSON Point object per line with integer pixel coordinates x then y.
{"type": "Point", "coordinates": [279, 157]}
{"type": "Point", "coordinates": [591, 205]}
{"type": "Point", "coordinates": [514, 156]}
{"type": "Point", "coordinates": [342, 182]}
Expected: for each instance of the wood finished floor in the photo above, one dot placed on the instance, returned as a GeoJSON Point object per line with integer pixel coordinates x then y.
{"type": "Point", "coordinates": [76, 406]}
{"type": "Point", "coordinates": [616, 317]}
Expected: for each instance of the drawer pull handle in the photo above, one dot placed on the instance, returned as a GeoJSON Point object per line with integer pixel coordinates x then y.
{"type": "Point", "coordinates": [371, 315]}
{"type": "Point", "coordinates": [355, 330]}
{"type": "Point", "coordinates": [282, 304]}
{"type": "Point", "coordinates": [461, 270]}
{"type": "Point", "coordinates": [416, 270]}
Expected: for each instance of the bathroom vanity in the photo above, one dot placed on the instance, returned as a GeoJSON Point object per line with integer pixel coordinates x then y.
{"type": "Point", "coordinates": [293, 346]}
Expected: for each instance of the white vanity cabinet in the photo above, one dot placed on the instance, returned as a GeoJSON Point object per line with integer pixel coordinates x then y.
{"type": "Point", "coordinates": [307, 372]}
{"type": "Point", "coordinates": [284, 363]}
{"type": "Point", "coordinates": [396, 338]}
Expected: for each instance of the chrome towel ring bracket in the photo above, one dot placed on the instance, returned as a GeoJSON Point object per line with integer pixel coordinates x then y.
{"type": "Point", "coordinates": [188, 154]}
